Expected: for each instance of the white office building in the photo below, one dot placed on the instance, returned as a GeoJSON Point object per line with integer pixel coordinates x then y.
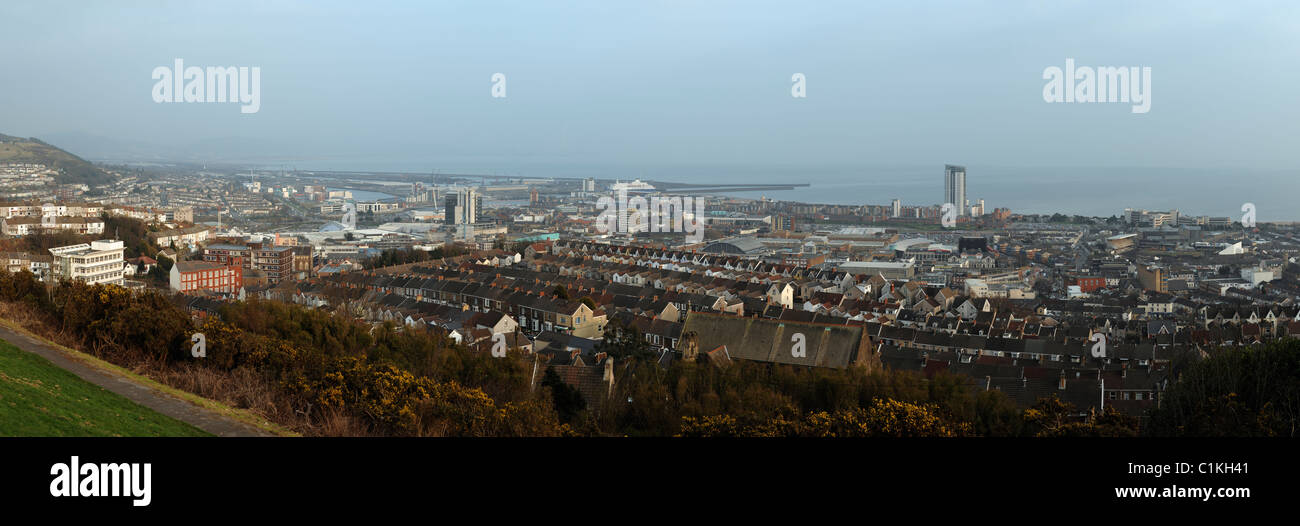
{"type": "Point", "coordinates": [96, 262]}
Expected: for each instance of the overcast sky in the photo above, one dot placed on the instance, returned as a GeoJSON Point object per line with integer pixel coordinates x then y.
{"type": "Point", "coordinates": [679, 82]}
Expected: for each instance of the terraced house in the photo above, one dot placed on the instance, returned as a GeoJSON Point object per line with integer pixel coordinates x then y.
{"type": "Point", "coordinates": [26, 225]}
{"type": "Point", "coordinates": [727, 308]}
{"type": "Point", "coordinates": [180, 237]}
{"type": "Point", "coordinates": [775, 341]}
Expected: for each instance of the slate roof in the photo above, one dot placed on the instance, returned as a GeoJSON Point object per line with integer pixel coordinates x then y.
{"type": "Point", "coordinates": [771, 341]}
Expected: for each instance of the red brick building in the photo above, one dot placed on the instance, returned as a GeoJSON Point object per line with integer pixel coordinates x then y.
{"type": "Point", "coordinates": [276, 262]}
{"type": "Point", "coordinates": [1088, 284]}
{"type": "Point", "coordinates": [191, 276]}
{"type": "Point", "coordinates": [223, 253]}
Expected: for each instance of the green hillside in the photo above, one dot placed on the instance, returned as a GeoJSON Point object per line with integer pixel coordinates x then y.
{"type": "Point", "coordinates": [38, 398]}
{"type": "Point", "coordinates": [73, 169]}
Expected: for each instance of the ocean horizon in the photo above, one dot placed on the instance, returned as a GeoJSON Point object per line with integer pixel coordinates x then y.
{"type": "Point", "coordinates": [1089, 191]}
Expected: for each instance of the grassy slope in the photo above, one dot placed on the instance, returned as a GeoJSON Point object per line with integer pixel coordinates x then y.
{"type": "Point", "coordinates": [38, 398]}
{"type": "Point", "coordinates": [242, 415]}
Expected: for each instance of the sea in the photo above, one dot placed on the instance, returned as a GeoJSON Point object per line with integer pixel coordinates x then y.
{"type": "Point", "coordinates": [1090, 191]}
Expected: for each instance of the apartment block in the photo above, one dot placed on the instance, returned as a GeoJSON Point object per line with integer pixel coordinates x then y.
{"type": "Point", "coordinates": [274, 262]}
{"type": "Point", "coordinates": [190, 276]}
{"type": "Point", "coordinates": [95, 262]}
{"type": "Point", "coordinates": [26, 225]}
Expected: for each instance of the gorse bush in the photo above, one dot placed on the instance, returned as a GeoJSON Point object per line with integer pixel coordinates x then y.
{"type": "Point", "coordinates": [884, 418]}
{"type": "Point", "coordinates": [398, 382]}
{"type": "Point", "coordinates": [755, 395]}
{"type": "Point", "coordinates": [330, 373]}
{"type": "Point", "coordinates": [332, 364]}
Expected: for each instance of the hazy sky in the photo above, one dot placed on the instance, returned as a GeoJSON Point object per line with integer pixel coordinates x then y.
{"type": "Point", "coordinates": [683, 82]}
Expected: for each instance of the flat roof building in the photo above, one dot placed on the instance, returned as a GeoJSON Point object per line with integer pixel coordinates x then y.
{"type": "Point", "coordinates": [95, 262]}
{"type": "Point", "coordinates": [886, 269]}
{"type": "Point", "coordinates": [190, 276]}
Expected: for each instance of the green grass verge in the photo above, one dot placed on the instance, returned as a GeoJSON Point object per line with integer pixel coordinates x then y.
{"type": "Point", "coordinates": [37, 398]}
{"type": "Point", "coordinates": [242, 415]}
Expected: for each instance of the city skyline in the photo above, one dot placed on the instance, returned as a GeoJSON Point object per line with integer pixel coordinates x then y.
{"type": "Point", "coordinates": [328, 224]}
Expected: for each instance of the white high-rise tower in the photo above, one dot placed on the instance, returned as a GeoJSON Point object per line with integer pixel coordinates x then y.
{"type": "Point", "coordinates": [954, 187]}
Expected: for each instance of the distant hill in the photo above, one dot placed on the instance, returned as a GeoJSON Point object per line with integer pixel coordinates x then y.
{"type": "Point", "coordinates": [73, 169]}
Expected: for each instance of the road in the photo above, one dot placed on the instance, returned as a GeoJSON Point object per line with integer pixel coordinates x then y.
{"type": "Point", "coordinates": [144, 395]}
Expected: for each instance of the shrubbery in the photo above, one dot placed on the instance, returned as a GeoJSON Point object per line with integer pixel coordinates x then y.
{"type": "Point", "coordinates": [759, 396]}
{"type": "Point", "coordinates": [396, 380]}
{"type": "Point", "coordinates": [1253, 391]}
{"type": "Point", "coordinates": [321, 362]}
{"type": "Point", "coordinates": [884, 418]}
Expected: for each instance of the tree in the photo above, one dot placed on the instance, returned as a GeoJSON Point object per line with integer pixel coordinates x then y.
{"type": "Point", "coordinates": [520, 247]}
{"type": "Point", "coordinates": [133, 233]}
{"type": "Point", "coordinates": [1112, 423]}
{"type": "Point", "coordinates": [1048, 416]}
{"type": "Point", "coordinates": [1252, 391]}
{"type": "Point", "coordinates": [567, 399]}
{"type": "Point", "coordinates": [1051, 417]}
{"type": "Point", "coordinates": [624, 343]}
{"type": "Point", "coordinates": [402, 256]}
